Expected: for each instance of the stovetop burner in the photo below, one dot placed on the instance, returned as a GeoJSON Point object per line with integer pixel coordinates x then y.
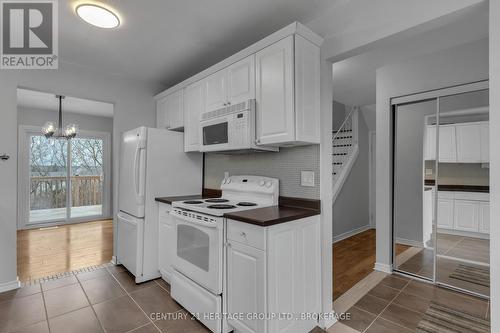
{"type": "Point", "coordinates": [193, 202]}
{"type": "Point", "coordinates": [216, 200]}
{"type": "Point", "coordinates": [221, 206]}
{"type": "Point", "coordinates": [246, 204]}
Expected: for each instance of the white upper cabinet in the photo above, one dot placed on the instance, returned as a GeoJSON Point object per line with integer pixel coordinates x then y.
{"type": "Point", "coordinates": [447, 144]}
{"type": "Point", "coordinates": [241, 81]}
{"type": "Point", "coordinates": [274, 80]}
{"type": "Point", "coordinates": [459, 143]}
{"type": "Point", "coordinates": [194, 104]}
{"type": "Point", "coordinates": [216, 90]}
{"type": "Point", "coordinates": [231, 85]}
{"type": "Point", "coordinates": [468, 142]}
{"type": "Point", "coordinates": [170, 111]}
{"type": "Point", "coordinates": [485, 142]}
{"type": "Point", "coordinates": [287, 92]}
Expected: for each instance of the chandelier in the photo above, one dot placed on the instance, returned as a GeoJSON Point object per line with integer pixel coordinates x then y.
{"type": "Point", "coordinates": [50, 130]}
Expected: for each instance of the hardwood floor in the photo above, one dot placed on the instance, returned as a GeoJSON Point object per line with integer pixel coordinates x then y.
{"type": "Point", "coordinates": [353, 260]}
{"type": "Point", "coordinates": [50, 251]}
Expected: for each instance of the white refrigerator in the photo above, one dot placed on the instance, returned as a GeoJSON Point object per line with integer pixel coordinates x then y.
{"type": "Point", "coordinates": [152, 164]}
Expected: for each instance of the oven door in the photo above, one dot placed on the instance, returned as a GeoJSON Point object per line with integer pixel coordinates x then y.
{"type": "Point", "coordinates": [215, 134]}
{"type": "Point", "coordinates": [198, 250]}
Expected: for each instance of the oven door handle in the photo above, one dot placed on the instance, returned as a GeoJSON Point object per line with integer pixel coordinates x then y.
{"type": "Point", "coordinates": [193, 221]}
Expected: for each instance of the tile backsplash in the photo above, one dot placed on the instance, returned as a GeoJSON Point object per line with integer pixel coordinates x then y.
{"type": "Point", "coordinates": [459, 173]}
{"type": "Point", "coordinates": [285, 165]}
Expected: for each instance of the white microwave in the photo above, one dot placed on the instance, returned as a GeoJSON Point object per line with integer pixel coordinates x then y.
{"type": "Point", "coordinates": [231, 128]}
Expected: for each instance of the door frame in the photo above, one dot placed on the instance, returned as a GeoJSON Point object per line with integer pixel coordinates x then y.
{"type": "Point", "coordinates": [23, 196]}
{"type": "Point", "coordinates": [372, 137]}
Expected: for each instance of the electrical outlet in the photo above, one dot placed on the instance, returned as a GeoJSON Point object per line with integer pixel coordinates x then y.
{"type": "Point", "coordinates": [307, 178]}
{"type": "Point", "coordinates": [428, 171]}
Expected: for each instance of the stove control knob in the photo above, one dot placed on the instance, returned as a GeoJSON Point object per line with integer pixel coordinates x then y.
{"type": "Point", "coordinates": [262, 183]}
{"type": "Point", "coordinates": [269, 184]}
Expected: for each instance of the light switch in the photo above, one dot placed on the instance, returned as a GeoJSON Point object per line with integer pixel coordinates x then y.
{"type": "Point", "coordinates": [307, 178]}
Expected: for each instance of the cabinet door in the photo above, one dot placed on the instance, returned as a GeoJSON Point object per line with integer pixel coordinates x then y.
{"type": "Point", "coordinates": [485, 142]}
{"type": "Point", "coordinates": [175, 110]}
{"type": "Point", "coordinates": [430, 143]}
{"type": "Point", "coordinates": [246, 287]}
{"type": "Point", "coordinates": [447, 144]}
{"type": "Point", "coordinates": [241, 80]}
{"type": "Point", "coordinates": [445, 213]}
{"type": "Point", "coordinates": [467, 215]}
{"type": "Point", "coordinates": [468, 143]}
{"type": "Point", "coordinates": [216, 90]}
{"type": "Point", "coordinates": [484, 217]}
{"type": "Point", "coordinates": [307, 91]}
{"type": "Point", "coordinates": [165, 240]}
{"type": "Point", "coordinates": [193, 106]}
{"type": "Point", "coordinates": [161, 113]}
{"type": "Point", "coordinates": [274, 93]}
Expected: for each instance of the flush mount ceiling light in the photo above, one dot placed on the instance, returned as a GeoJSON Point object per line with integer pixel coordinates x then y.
{"type": "Point", "coordinates": [98, 16]}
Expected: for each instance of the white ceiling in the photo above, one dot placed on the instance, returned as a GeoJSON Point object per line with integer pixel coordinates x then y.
{"type": "Point", "coordinates": [31, 99]}
{"type": "Point", "coordinates": [354, 81]}
{"type": "Point", "coordinates": [166, 41]}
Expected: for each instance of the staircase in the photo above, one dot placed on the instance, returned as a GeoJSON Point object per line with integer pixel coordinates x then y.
{"type": "Point", "coordinates": [345, 150]}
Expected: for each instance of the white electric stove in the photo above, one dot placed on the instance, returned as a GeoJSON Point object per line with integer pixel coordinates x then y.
{"type": "Point", "coordinates": [238, 193]}
{"type": "Point", "coordinates": [197, 280]}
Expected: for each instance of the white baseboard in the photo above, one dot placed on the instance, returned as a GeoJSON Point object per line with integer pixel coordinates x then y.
{"type": "Point", "coordinates": [165, 275]}
{"type": "Point", "coordinates": [409, 242]}
{"type": "Point", "coordinates": [383, 268]}
{"type": "Point", "coordinates": [328, 320]}
{"type": "Point", "coordinates": [351, 233]}
{"type": "Point", "coordinates": [6, 286]}
{"type": "Point", "coordinates": [463, 233]}
{"type": "Point", "coordinates": [114, 260]}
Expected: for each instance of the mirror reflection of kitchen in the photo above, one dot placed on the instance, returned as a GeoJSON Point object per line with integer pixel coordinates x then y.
{"type": "Point", "coordinates": [463, 200]}
{"type": "Point", "coordinates": [441, 205]}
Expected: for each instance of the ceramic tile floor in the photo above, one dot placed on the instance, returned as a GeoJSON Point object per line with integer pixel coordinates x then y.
{"type": "Point", "coordinates": [397, 304]}
{"type": "Point", "coordinates": [104, 300]}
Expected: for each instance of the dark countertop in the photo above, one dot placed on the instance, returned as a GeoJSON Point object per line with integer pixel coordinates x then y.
{"type": "Point", "coordinates": [266, 216]}
{"type": "Point", "coordinates": [169, 200]}
{"type": "Point", "coordinates": [459, 188]}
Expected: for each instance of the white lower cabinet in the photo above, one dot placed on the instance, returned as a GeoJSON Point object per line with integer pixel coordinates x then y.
{"type": "Point", "coordinates": [484, 217]}
{"type": "Point", "coordinates": [445, 213]}
{"type": "Point", "coordinates": [466, 215]}
{"type": "Point", "coordinates": [165, 234]}
{"type": "Point", "coordinates": [271, 271]}
{"type": "Point", "coordinates": [246, 285]}
{"type": "Point", "coordinates": [464, 212]}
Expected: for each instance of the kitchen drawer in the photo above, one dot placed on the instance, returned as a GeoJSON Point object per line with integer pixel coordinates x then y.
{"type": "Point", "coordinates": [247, 234]}
{"type": "Point", "coordinates": [446, 195]}
{"type": "Point", "coordinates": [474, 196]}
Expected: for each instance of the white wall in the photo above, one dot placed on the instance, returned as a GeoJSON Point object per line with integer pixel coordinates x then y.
{"type": "Point", "coordinates": [494, 61]}
{"type": "Point", "coordinates": [133, 106]}
{"type": "Point", "coordinates": [38, 117]}
{"type": "Point", "coordinates": [466, 63]}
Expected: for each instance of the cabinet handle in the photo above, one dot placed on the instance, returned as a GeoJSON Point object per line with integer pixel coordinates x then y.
{"type": "Point", "coordinates": [242, 234]}
{"type": "Point", "coordinates": [228, 103]}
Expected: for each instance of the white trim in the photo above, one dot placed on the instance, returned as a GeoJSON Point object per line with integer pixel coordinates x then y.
{"type": "Point", "coordinates": [409, 242]}
{"type": "Point", "coordinates": [463, 233]}
{"type": "Point", "coordinates": [165, 275]}
{"type": "Point", "coordinates": [473, 262]}
{"type": "Point", "coordinates": [23, 183]}
{"type": "Point", "coordinates": [114, 260]}
{"type": "Point", "coordinates": [383, 268]}
{"type": "Point", "coordinates": [6, 286]}
{"type": "Point", "coordinates": [371, 177]}
{"type": "Point", "coordinates": [329, 320]}
{"type": "Point", "coordinates": [342, 177]}
{"type": "Point", "coordinates": [351, 233]}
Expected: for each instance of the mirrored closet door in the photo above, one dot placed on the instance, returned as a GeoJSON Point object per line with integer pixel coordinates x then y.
{"type": "Point", "coordinates": [441, 188]}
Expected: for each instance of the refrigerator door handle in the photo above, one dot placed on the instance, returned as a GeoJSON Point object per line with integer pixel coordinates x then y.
{"type": "Point", "coordinates": [136, 171]}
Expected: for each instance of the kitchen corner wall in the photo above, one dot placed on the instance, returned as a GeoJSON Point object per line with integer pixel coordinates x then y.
{"type": "Point", "coordinates": [285, 165]}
